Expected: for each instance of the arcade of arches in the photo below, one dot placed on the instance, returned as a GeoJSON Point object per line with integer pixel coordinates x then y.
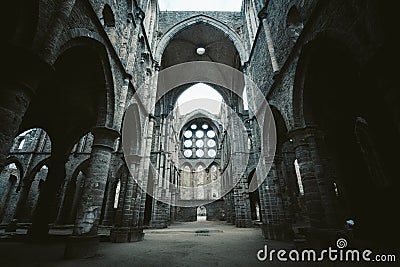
{"type": "Point", "coordinates": [71, 70]}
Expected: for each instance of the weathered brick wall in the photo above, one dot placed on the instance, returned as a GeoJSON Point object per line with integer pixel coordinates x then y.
{"type": "Point", "coordinates": [215, 212]}
{"type": "Point", "coordinates": [277, 18]}
{"type": "Point", "coordinates": [350, 22]}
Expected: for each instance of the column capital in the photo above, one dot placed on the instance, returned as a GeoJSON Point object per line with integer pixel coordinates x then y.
{"type": "Point", "coordinates": [105, 137]}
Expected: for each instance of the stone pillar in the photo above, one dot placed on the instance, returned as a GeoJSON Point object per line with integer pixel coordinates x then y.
{"type": "Point", "coordinates": [312, 193]}
{"type": "Point", "coordinates": [84, 240]}
{"type": "Point", "coordinates": [292, 210]}
{"type": "Point", "coordinates": [22, 198]}
{"type": "Point", "coordinates": [136, 231]}
{"type": "Point", "coordinates": [46, 207]}
{"type": "Point", "coordinates": [230, 208]}
{"type": "Point", "coordinates": [147, 144]}
{"type": "Point", "coordinates": [324, 178]}
{"type": "Point", "coordinates": [5, 199]}
{"type": "Point", "coordinates": [158, 218]}
{"type": "Point", "coordinates": [242, 204]}
{"type": "Point", "coordinates": [124, 230]}
{"type": "Point", "coordinates": [274, 224]}
{"type": "Point", "coordinates": [263, 16]}
{"type": "Point", "coordinates": [173, 207]}
{"type": "Point", "coordinates": [108, 217]}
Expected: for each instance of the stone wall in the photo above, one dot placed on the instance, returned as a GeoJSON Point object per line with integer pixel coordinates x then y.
{"type": "Point", "coordinates": [215, 212]}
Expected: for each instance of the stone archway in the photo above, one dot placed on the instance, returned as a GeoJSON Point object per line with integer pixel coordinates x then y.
{"type": "Point", "coordinates": [200, 19]}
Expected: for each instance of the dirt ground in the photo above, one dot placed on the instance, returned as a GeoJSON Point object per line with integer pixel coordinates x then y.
{"type": "Point", "coordinates": [179, 245]}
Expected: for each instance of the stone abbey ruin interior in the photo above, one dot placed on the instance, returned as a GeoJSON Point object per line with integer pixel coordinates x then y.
{"type": "Point", "coordinates": [121, 122]}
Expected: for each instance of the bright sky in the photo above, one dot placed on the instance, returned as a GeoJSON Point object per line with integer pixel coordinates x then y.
{"type": "Point", "coordinates": [200, 96]}
{"type": "Point", "coordinates": [200, 5]}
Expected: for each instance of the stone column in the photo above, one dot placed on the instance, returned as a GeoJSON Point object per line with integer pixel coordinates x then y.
{"type": "Point", "coordinates": [274, 225]}
{"type": "Point", "coordinates": [22, 198]}
{"type": "Point", "coordinates": [324, 177]}
{"type": "Point", "coordinates": [242, 204]}
{"type": "Point", "coordinates": [84, 240]}
{"type": "Point", "coordinates": [108, 217]}
{"type": "Point", "coordinates": [46, 207]}
{"type": "Point", "coordinates": [263, 16]}
{"type": "Point", "coordinates": [136, 230]}
{"type": "Point", "coordinates": [292, 210]}
{"type": "Point", "coordinates": [123, 230]}
{"type": "Point", "coordinates": [147, 143]}
{"type": "Point", "coordinates": [312, 193]}
{"type": "Point", "coordinates": [230, 208]}
{"type": "Point", "coordinates": [5, 199]}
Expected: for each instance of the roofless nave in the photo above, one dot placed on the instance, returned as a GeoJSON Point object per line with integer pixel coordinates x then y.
{"type": "Point", "coordinates": [72, 69]}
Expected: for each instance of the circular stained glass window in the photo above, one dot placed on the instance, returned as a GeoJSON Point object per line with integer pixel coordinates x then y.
{"type": "Point", "coordinates": [199, 134]}
{"type": "Point", "coordinates": [212, 153]}
{"type": "Point", "coordinates": [188, 143]}
{"type": "Point", "coordinates": [199, 143]}
{"type": "Point", "coordinates": [205, 126]}
{"type": "Point", "coordinates": [188, 153]}
{"type": "Point", "coordinates": [188, 134]}
{"type": "Point", "coordinates": [211, 134]}
{"type": "Point", "coordinates": [211, 143]}
{"type": "Point", "coordinates": [193, 127]}
{"type": "Point", "coordinates": [200, 153]}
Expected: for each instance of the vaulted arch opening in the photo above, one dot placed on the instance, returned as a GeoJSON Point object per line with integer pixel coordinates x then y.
{"type": "Point", "coordinates": [10, 177]}
{"type": "Point", "coordinates": [294, 23]}
{"type": "Point", "coordinates": [68, 105]}
{"type": "Point", "coordinates": [108, 16]}
{"type": "Point", "coordinates": [350, 140]}
{"type": "Point", "coordinates": [200, 42]}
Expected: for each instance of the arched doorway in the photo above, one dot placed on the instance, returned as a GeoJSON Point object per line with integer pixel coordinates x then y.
{"type": "Point", "coordinates": [255, 206]}
{"type": "Point", "coordinates": [201, 214]}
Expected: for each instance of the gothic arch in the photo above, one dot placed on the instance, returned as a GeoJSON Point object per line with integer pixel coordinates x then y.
{"type": "Point", "coordinates": [308, 52]}
{"type": "Point", "coordinates": [18, 164]}
{"type": "Point", "coordinates": [280, 125]}
{"type": "Point", "coordinates": [294, 23]}
{"type": "Point", "coordinates": [133, 129]}
{"type": "Point", "coordinates": [169, 35]}
{"type": "Point", "coordinates": [108, 16]}
{"type": "Point", "coordinates": [187, 164]}
{"type": "Point", "coordinates": [37, 168]}
{"type": "Point", "coordinates": [198, 114]}
{"type": "Point", "coordinates": [84, 38]}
